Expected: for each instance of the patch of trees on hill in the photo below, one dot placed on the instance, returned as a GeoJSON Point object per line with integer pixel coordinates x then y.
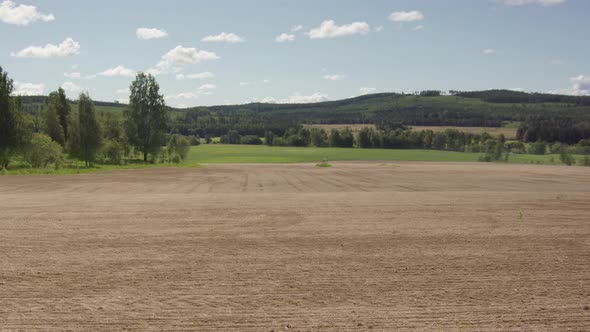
{"type": "Point", "coordinates": [515, 97]}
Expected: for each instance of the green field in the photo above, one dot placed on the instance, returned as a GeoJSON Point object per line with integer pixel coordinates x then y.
{"type": "Point", "coordinates": [225, 154]}
{"type": "Point", "coordinates": [219, 153]}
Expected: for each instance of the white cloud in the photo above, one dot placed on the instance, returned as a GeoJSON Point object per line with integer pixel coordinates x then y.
{"type": "Point", "coordinates": [366, 91]}
{"type": "Point", "coordinates": [301, 99]}
{"type": "Point", "coordinates": [224, 37]}
{"type": "Point", "coordinates": [283, 37]}
{"type": "Point", "coordinates": [181, 56]}
{"type": "Point", "coordinates": [334, 77]}
{"type": "Point", "coordinates": [544, 3]}
{"type": "Point", "coordinates": [123, 91]}
{"type": "Point", "coordinates": [205, 89]}
{"type": "Point", "coordinates": [557, 62]}
{"type": "Point", "coordinates": [118, 71]}
{"type": "Point", "coordinates": [403, 16]}
{"type": "Point", "coordinates": [74, 74]}
{"type": "Point", "coordinates": [182, 95]}
{"type": "Point", "coordinates": [150, 33]}
{"type": "Point", "coordinates": [72, 87]}
{"type": "Point", "coordinates": [268, 100]}
{"type": "Point", "coordinates": [28, 89]}
{"type": "Point", "coordinates": [245, 83]}
{"type": "Point", "coordinates": [489, 51]}
{"type": "Point", "coordinates": [66, 48]}
{"type": "Point", "coordinates": [21, 15]}
{"type": "Point", "coordinates": [379, 29]}
{"type": "Point", "coordinates": [580, 87]}
{"type": "Point", "coordinates": [418, 27]}
{"type": "Point", "coordinates": [329, 29]}
{"type": "Point", "coordinates": [196, 76]}
{"type": "Point", "coordinates": [296, 28]}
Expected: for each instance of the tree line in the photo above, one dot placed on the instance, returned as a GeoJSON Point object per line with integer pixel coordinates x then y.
{"type": "Point", "coordinates": [83, 134]}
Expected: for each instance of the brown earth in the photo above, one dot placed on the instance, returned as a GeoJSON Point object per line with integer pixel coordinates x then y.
{"type": "Point", "coordinates": [355, 247]}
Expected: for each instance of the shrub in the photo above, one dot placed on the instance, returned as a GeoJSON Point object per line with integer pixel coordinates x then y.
{"type": "Point", "coordinates": [537, 148]}
{"type": "Point", "coordinates": [586, 161]}
{"type": "Point", "coordinates": [251, 140]}
{"type": "Point", "coordinates": [194, 140]}
{"type": "Point", "coordinates": [44, 151]}
{"type": "Point", "coordinates": [566, 157]}
{"type": "Point", "coordinates": [113, 152]}
{"type": "Point", "coordinates": [178, 148]}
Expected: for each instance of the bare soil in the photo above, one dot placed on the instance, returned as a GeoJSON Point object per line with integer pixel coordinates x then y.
{"type": "Point", "coordinates": [355, 247]}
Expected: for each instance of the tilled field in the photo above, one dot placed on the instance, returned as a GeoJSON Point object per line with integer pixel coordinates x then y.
{"type": "Point", "coordinates": [359, 246]}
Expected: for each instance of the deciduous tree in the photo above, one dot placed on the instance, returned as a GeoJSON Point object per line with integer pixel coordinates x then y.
{"type": "Point", "coordinates": [146, 117]}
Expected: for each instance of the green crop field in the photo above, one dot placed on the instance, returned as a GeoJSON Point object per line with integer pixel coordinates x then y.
{"type": "Point", "coordinates": [219, 153]}
{"type": "Point", "coordinates": [204, 154]}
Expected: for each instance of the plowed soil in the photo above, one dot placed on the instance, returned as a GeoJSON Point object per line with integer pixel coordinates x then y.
{"type": "Point", "coordinates": [355, 247]}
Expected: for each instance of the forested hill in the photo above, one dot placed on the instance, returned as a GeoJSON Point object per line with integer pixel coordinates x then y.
{"type": "Point", "coordinates": [491, 108]}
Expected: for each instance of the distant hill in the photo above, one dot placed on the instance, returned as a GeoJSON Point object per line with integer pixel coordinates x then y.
{"type": "Point", "coordinates": [491, 108]}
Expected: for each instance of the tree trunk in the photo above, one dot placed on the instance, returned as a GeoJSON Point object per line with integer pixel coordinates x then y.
{"type": "Point", "coordinates": [145, 156]}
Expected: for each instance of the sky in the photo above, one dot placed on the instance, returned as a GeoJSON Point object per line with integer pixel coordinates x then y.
{"type": "Point", "coordinates": [240, 51]}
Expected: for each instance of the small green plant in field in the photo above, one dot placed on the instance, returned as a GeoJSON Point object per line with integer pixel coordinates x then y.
{"type": "Point", "coordinates": [324, 163]}
{"type": "Point", "coordinates": [520, 216]}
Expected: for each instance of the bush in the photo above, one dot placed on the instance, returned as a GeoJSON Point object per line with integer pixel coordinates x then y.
{"type": "Point", "coordinates": [586, 161]}
{"type": "Point", "coordinates": [279, 141]}
{"type": "Point", "coordinates": [250, 140]}
{"type": "Point", "coordinates": [178, 148]}
{"type": "Point", "coordinates": [113, 152]}
{"type": "Point", "coordinates": [44, 151]}
{"type": "Point", "coordinates": [194, 140]}
{"type": "Point", "coordinates": [566, 157]}
{"type": "Point", "coordinates": [537, 148]}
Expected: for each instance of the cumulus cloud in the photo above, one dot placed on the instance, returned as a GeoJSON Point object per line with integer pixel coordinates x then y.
{"type": "Point", "coordinates": [21, 15]}
{"type": "Point", "coordinates": [298, 99]}
{"type": "Point", "coordinates": [329, 29]}
{"type": "Point", "coordinates": [379, 29]}
{"type": "Point", "coordinates": [74, 74]}
{"type": "Point", "coordinates": [284, 37]}
{"type": "Point", "coordinates": [580, 87]}
{"type": "Point", "coordinates": [195, 76]}
{"type": "Point", "coordinates": [66, 48]}
{"type": "Point", "coordinates": [409, 16]}
{"type": "Point", "coordinates": [245, 83]}
{"type": "Point", "coordinates": [296, 28]}
{"type": "Point", "coordinates": [150, 33]}
{"type": "Point", "coordinates": [544, 3]}
{"type": "Point", "coordinates": [334, 77]}
{"type": "Point", "coordinates": [71, 87]}
{"type": "Point", "coordinates": [205, 89]}
{"type": "Point", "coordinates": [28, 89]}
{"type": "Point", "coordinates": [224, 37]}
{"type": "Point", "coordinates": [182, 95]}
{"type": "Point", "coordinates": [118, 71]}
{"type": "Point", "coordinates": [181, 56]}
{"type": "Point", "coordinates": [366, 91]}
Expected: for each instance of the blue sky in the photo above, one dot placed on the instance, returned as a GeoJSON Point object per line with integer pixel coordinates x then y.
{"type": "Point", "coordinates": [294, 51]}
